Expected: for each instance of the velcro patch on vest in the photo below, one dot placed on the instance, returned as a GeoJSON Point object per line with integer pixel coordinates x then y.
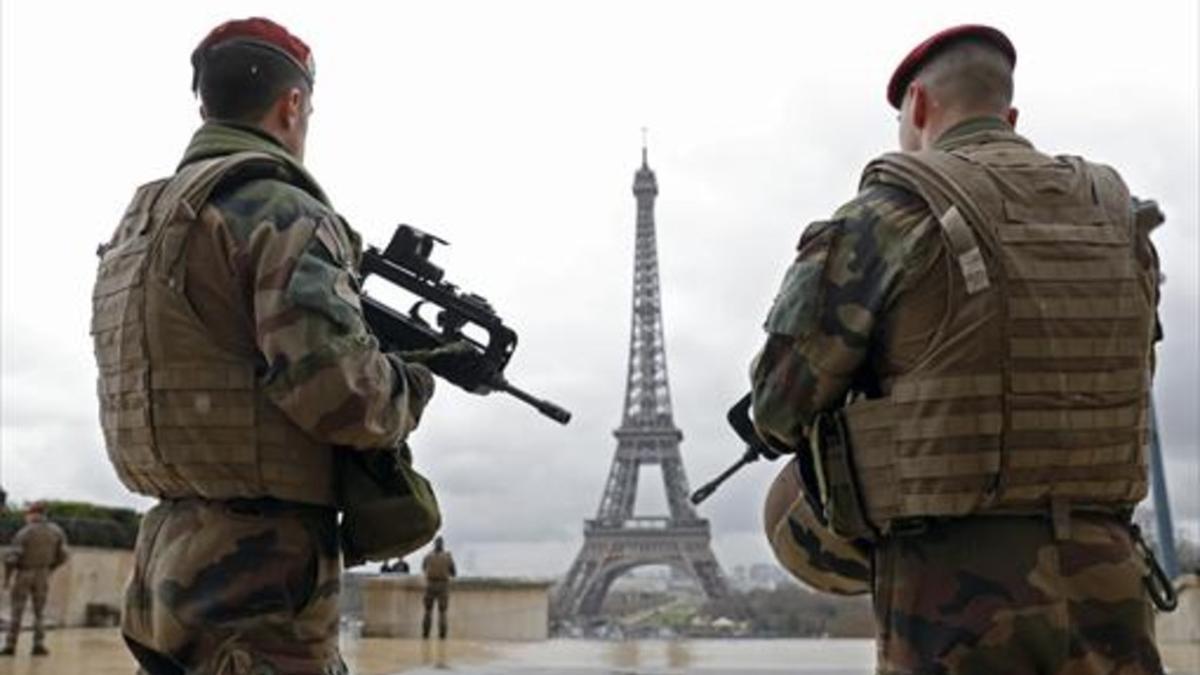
{"type": "Point", "coordinates": [966, 250]}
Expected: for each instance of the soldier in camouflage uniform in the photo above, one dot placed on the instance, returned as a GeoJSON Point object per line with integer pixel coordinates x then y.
{"type": "Point", "coordinates": [439, 569]}
{"type": "Point", "coordinates": [38, 549]}
{"type": "Point", "coordinates": [976, 328]}
{"type": "Point", "coordinates": [235, 368]}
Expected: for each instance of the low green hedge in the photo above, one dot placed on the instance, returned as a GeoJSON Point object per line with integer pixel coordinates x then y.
{"type": "Point", "coordinates": [85, 524]}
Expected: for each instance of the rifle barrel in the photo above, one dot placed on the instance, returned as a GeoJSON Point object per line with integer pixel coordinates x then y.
{"type": "Point", "coordinates": [551, 410]}
{"type": "Point", "coordinates": [705, 491]}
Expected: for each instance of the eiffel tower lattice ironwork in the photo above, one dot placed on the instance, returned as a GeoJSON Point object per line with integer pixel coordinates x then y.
{"type": "Point", "coordinates": [617, 540]}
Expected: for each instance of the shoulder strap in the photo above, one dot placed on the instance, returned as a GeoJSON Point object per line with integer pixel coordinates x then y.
{"type": "Point", "coordinates": [926, 175]}
{"type": "Point", "coordinates": [192, 184]}
{"type": "Point", "coordinates": [189, 189]}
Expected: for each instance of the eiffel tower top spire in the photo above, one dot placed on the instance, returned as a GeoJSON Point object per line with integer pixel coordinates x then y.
{"type": "Point", "coordinates": [647, 392]}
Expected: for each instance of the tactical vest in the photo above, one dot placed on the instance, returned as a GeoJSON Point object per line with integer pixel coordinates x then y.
{"type": "Point", "coordinates": [1033, 395]}
{"type": "Point", "coordinates": [183, 417]}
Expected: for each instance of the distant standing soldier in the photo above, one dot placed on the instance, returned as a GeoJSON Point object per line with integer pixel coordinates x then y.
{"type": "Point", "coordinates": [439, 569]}
{"type": "Point", "coordinates": [236, 370]}
{"type": "Point", "coordinates": [961, 357]}
{"type": "Point", "coordinates": [38, 549]}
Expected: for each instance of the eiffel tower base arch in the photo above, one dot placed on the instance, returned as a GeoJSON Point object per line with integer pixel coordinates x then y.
{"type": "Point", "coordinates": [610, 552]}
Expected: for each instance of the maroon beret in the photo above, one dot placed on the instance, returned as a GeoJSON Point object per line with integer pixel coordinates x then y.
{"type": "Point", "coordinates": [258, 31]}
{"type": "Point", "coordinates": [923, 52]}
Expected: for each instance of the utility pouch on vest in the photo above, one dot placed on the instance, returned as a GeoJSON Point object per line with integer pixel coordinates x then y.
{"type": "Point", "coordinates": [388, 508]}
{"type": "Point", "coordinates": [841, 496]}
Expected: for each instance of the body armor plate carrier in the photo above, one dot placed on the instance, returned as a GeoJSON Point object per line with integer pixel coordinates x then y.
{"type": "Point", "coordinates": [181, 416]}
{"type": "Point", "coordinates": [1033, 395]}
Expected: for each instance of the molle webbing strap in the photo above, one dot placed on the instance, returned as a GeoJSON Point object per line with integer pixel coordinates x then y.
{"type": "Point", "coordinates": [1076, 348]}
{"type": "Point", "coordinates": [1035, 458]}
{"type": "Point", "coordinates": [951, 426]}
{"type": "Point", "coordinates": [1076, 214]}
{"type": "Point", "coordinates": [1075, 308]}
{"type": "Point", "coordinates": [950, 204]}
{"type": "Point", "coordinates": [1126, 417]}
{"type": "Point", "coordinates": [940, 466]}
{"type": "Point", "coordinates": [1053, 233]}
{"type": "Point", "coordinates": [1064, 382]}
{"type": "Point", "coordinates": [210, 376]}
{"type": "Point", "coordinates": [1100, 491]}
{"type": "Point", "coordinates": [932, 389]}
{"type": "Point", "coordinates": [1071, 270]}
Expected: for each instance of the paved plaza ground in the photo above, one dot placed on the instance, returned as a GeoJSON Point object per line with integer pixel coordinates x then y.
{"type": "Point", "coordinates": [100, 652]}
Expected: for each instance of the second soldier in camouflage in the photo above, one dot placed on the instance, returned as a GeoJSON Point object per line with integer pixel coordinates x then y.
{"type": "Point", "coordinates": [235, 366]}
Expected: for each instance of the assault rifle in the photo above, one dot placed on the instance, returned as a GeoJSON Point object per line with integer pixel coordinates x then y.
{"type": "Point", "coordinates": [739, 419]}
{"type": "Point", "coordinates": [471, 363]}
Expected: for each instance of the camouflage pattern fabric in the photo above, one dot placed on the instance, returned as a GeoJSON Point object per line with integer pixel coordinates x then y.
{"type": "Point", "coordinates": [227, 588]}
{"type": "Point", "coordinates": [947, 602]}
{"type": "Point", "coordinates": [298, 262]}
{"type": "Point", "coordinates": [251, 586]}
{"type": "Point", "coordinates": [803, 543]}
{"type": "Point", "coordinates": [847, 271]}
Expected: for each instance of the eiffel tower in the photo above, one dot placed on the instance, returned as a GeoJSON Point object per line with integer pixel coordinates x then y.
{"type": "Point", "coordinates": [616, 540]}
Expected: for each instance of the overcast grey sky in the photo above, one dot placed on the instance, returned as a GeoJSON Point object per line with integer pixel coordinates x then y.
{"type": "Point", "coordinates": [512, 130]}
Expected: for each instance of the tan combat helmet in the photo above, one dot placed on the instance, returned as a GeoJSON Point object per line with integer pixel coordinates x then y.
{"type": "Point", "coordinates": [805, 546]}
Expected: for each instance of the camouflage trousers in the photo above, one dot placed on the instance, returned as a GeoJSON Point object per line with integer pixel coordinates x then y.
{"type": "Point", "coordinates": [1004, 596]}
{"type": "Point", "coordinates": [436, 592]}
{"type": "Point", "coordinates": [235, 588]}
{"type": "Point", "coordinates": [31, 582]}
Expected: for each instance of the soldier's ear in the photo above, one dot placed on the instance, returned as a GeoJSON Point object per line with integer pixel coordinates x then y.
{"type": "Point", "coordinates": [1012, 117]}
{"type": "Point", "coordinates": [920, 105]}
{"type": "Point", "coordinates": [294, 107]}
{"type": "Point", "coordinates": [203, 113]}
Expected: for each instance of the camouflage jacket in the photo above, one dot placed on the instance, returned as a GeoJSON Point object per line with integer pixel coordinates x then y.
{"type": "Point", "coordinates": [291, 285]}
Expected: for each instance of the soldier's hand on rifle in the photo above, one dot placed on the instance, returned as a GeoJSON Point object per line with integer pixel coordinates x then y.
{"type": "Point", "coordinates": [459, 362]}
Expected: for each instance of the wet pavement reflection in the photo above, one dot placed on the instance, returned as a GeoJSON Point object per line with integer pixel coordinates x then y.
{"type": "Point", "coordinates": [101, 652]}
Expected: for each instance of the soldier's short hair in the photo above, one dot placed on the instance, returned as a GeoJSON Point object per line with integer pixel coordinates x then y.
{"type": "Point", "coordinates": [239, 81]}
{"type": "Point", "coordinates": [971, 73]}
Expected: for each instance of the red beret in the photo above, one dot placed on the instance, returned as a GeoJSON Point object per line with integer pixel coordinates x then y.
{"type": "Point", "coordinates": [927, 49]}
{"type": "Point", "coordinates": [36, 507]}
{"type": "Point", "coordinates": [259, 31]}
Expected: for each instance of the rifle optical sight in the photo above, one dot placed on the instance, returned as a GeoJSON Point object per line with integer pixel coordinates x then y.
{"type": "Point", "coordinates": [411, 248]}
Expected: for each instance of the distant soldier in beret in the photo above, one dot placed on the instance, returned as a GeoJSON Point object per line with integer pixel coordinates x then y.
{"type": "Point", "coordinates": [960, 359]}
{"type": "Point", "coordinates": [38, 548]}
{"type": "Point", "coordinates": [234, 366]}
